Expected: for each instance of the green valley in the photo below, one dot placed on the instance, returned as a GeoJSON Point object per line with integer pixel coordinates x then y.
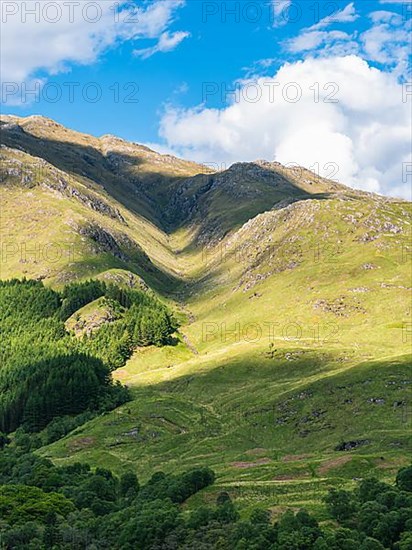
{"type": "Point", "coordinates": [259, 320]}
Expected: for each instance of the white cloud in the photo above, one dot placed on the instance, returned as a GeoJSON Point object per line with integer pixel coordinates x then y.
{"type": "Point", "coordinates": [388, 45]}
{"type": "Point", "coordinates": [346, 15]}
{"type": "Point", "coordinates": [366, 133]}
{"type": "Point", "coordinates": [326, 43]}
{"type": "Point", "coordinates": [383, 16]}
{"type": "Point", "coordinates": [166, 43]}
{"type": "Point", "coordinates": [183, 88]}
{"type": "Point", "coordinates": [386, 42]}
{"type": "Point", "coordinates": [57, 35]}
{"type": "Point", "coordinates": [280, 12]}
{"type": "Point", "coordinates": [259, 67]}
{"type": "Point", "coordinates": [280, 6]}
{"type": "Point", "coordinates": [308, 40]}
{"type": "Point", "coordinates": [330, 41]}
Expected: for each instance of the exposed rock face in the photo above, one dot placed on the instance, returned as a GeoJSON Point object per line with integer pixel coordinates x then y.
{"type": "Point", "coordinates": [105, 241]}
{"type": "Point", "coordinates": [350, 445]}
{"type": "Point", "coordinates": [21, 169]}
{"type": "Point", "coordinates": [87, 323]}
{"type": "Point", "coordinates": [340, 307]}
{"type": "Point", "coordinates": [117, 244]}
{"type": "Point", "coordinates": [96, 204]}
{"type": "Point", "coordinates": [125, 278]}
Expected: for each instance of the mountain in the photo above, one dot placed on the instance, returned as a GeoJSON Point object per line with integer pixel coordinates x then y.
{"type": "Point", "coordinates": [291, 373]}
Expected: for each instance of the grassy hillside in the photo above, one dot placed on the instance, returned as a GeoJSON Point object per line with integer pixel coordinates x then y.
{"type": "Point", "coordinates": [290, 372]}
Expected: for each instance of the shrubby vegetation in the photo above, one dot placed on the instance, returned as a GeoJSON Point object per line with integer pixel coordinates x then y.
{"type": "Point", "coordinates": [47, 373]}
{"type": "Point", "coordinates": [47, 507]}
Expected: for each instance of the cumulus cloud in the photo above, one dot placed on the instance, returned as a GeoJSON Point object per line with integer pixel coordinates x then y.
{"type": "Point", "coordinates": [166, 43]}
{"type": "Point", "coordinates": [317, 113]}
{"type": "Point", "coordinates": [50, 36]}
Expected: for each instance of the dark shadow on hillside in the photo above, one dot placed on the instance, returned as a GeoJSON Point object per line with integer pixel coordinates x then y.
{"type": "Point", "coordinates": [213, 205]}
{"type": "Point", "coordinates": [339, 407]}
{"type": "Point", "coordinates": [242, 191]}
{"type": "Point", "coordinates": [114, 249]}
{"type": "Point", "coordinates": [112, 172]}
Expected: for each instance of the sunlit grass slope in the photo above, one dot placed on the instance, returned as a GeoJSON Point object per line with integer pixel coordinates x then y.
{"type": "Point", "coordinates": [291, 368]}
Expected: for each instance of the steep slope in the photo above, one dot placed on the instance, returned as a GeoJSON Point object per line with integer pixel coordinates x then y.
{"type": "Point", "coordinates": [167, 191]}
{"type": "Point", "coordinates": [130, 198]}
{"type": "Point", "coordinates": [215, 204]}
{"type": "Point", "coordinates": [292, 366]}
{"type": "Point", "coordinates": [60, 225]}
{"type": "Point", "coordinates": [132, 174]}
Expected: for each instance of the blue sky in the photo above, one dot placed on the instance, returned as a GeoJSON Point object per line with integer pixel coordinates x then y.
{"type": "Point", "coordinates": [153, 62]}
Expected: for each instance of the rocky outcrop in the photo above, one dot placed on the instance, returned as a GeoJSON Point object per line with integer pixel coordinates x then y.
{"type": "Point", "coordinates": [350, 445]}
{"type": "Point", "coordinates": [19, 168]}
{"type": "Point", "coordinates": [117, 244]}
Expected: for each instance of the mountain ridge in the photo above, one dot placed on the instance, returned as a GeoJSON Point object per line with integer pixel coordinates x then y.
{"type": "Point", "coordinates": [285, 285]}
{"type": "Point", "coordinates": [41, 128]}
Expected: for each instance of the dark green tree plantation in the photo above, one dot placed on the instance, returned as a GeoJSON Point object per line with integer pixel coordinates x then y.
{"type": "Point", "coordinates": [48, 375]}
